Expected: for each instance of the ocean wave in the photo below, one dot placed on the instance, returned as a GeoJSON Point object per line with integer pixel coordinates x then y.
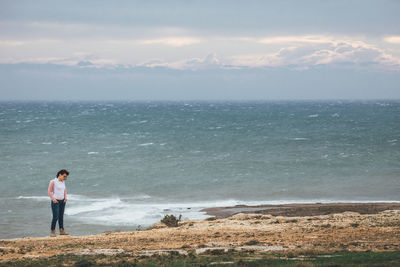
{"type": "Point", "coordinates": [97, 205]}
{"type": "Point", "coordinates": [47, 198]}
{"type": "Point", "coordinates": [124, 213]}
{"type": "Point", "coordinates": [39, 198]}
{"type": "Point", "coordinates": [139, 197]}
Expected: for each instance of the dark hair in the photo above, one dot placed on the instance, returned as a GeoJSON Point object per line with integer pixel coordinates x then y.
{"type": "Point", "coordinates": [62, 172]}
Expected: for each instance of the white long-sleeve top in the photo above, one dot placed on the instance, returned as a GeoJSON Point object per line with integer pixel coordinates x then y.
{"type": "Point", "coordinates": [57, 190]}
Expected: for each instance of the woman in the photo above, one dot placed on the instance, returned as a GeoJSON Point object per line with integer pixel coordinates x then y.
{"type": "Point", "coordinates": [58, 194]}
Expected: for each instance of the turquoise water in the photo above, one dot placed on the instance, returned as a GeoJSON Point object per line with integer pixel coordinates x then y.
{"type": "Point", "coordinates": [133, 162]}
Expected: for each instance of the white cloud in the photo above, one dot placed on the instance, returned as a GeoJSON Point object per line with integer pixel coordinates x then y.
{"type": "Point", "coordinates": [314, 51]}
{"type": "Point", "coordinates": [296, 52]}
{"type": "Point", "coordinates": [28, 42]}
{"type": "Point", "coordinates": [392, 39]}
{"type": "Point", "coordinates": [312, 39]}
{"type": "Point", "coordinates": [86, 31]}
{"type": "Point", "coordinates": [12, 43]}
{"type": "Point", "coordinates": [210, 61]}
{"type": "Point", "coordinates": [171, 41]}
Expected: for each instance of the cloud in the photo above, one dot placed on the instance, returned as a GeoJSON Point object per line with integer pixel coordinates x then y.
{"type": "Point", "coordinates": [297, 52]}
{"type": "Point", "coordinates": [211, 61]}
{"type": "Point", "coordinates": [307, 51]}
{"type": "Point", "coordinates": [12, 43]}
{"type": "Point", "coordinates": [311, 39]}
{"type": "Point", "coordinates": [170, 41]}
{"type": "Point", "coordinates": [392, 39]}
{"type": "Point", "coordinates": [28, 42]}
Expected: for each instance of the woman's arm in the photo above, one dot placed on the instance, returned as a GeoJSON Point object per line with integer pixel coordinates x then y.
{"type": "Point", "coordinates": [51, 190]}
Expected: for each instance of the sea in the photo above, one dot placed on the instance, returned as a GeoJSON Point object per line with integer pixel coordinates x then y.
{"type": "Point", "coordinates": [132, 163]}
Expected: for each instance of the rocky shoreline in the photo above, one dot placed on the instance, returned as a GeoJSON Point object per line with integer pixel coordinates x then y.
{"type": "Point", "coordinates": [287, 228]}
{"type": "Point", "coordinates": [310, 209]}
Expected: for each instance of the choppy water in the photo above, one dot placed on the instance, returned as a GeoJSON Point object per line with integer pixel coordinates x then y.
{"type": "Point", "coordinates": [132, 163]}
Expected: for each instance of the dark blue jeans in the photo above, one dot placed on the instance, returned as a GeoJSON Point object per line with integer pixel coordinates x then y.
{"type": "Point", "coordinates": [58, 214]}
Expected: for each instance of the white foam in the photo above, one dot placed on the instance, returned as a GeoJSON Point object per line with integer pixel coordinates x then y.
{"type": "Point", "coordinates": [313, 116]}
{"type": "Point", "coordinates": [77, 197]}
{"type": "Point", "coordinates": [38, 198]}
{"type": "Point", "coordinates": [147, 144]}
{"type": "Point", "coordinates": [93, 153]}
{"type": "Point", "coordinates": [47, 198]}
{"type": "Point", "coordinates": [139, 197]}
{"type": "Point", "coordinates": [97, 205]}
{"type": "Point", "coordinates": [46, 143]}
{"type": "Point", "coordinates": [126, 213]}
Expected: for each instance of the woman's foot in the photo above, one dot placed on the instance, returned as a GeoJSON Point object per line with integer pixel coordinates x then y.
{"type": "Point", "coordinates": [62, 232]}
{"type": "Point", "coordinates": [53, 233]}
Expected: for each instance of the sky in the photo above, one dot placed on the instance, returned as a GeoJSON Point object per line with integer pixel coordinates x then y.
{"type": "Point", "coordinates": [199, 50]}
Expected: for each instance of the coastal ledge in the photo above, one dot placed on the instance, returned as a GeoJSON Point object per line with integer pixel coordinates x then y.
{"type": "Point", "coordinates": [298, 209]}
{"type": "Point", "coordinates": [290, 229]}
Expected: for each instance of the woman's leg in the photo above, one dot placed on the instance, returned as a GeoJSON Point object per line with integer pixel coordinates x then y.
{"type": "Point", "coordinates": [55, 208]}
{"type": "Point", "coordinates": [61, 215]}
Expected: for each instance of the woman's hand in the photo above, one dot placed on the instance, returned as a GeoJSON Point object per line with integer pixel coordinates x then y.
{"type": "Point", "coordinates": [55, 201]}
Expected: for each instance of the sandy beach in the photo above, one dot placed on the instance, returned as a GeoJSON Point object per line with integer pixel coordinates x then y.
{"type": "Point", "coordinates": [291, 228]}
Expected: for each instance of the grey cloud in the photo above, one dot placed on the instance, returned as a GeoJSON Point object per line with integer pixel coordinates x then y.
{"type": "Point", "coordinates": [233, 16]}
